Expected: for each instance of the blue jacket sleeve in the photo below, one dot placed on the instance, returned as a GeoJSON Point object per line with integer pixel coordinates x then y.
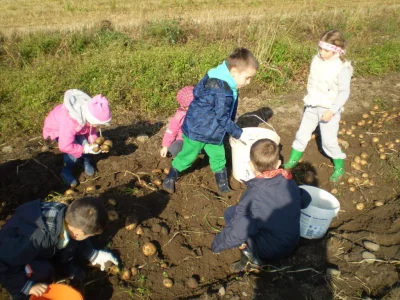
{"type": "Point", "coordinates": [15, 253]}
{"type": "Point", "coordinates": [223, 115]}
{"type": "Point", "coordinates": [237, 231]}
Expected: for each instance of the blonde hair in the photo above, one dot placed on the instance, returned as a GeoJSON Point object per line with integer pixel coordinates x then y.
{"type": "Point", "coordinates": [241, 58]}
{"type": "Point", "coordinates": [264, 154]}
{"type": "Point", "coordinates": [336, 38]}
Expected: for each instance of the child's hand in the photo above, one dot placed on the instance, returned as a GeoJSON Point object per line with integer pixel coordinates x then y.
{"type": "Point", "coordinates": [164, 151]}
{"type": "Point", "coordinates": [327, 116]}
{"type": "Point", "coordinates": [103, 257]}
{"type": "Point", "coordinates": [38, 289]}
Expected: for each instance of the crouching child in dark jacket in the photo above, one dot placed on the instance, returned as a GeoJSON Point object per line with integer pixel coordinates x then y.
{"type": "Point", "coordinates": [210, 117]}
{"type": "Point", "coordinates": [40, 231]}
{"type": "Point", "coordinates": [265, 224]}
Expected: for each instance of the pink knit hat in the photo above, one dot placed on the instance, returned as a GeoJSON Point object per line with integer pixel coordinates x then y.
{"type": "Point", "coordinates": [98, 111]}
{"type": "Point", "coordinates": [185, 96]}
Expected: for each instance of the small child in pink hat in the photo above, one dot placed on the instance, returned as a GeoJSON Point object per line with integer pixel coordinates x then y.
{"type": "Point", "coordinates": [172, 141]}
{"type": "Point", "coordinates": [73, 124]}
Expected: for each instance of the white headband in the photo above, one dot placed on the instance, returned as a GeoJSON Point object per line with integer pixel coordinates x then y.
{"type": "Point", "coordinates": [330, 47]}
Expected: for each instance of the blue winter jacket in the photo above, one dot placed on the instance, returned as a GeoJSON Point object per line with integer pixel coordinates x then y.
{"type": "Point", "coordinates": [211, 113]}
{"type": "Point", "coordinates": [32, 233]}
{"type": "Point", "coordinates": [267, 217]}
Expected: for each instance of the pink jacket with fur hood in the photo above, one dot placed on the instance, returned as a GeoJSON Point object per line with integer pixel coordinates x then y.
{"type": "Point", "coordinates": [68, 120]}
{"type": "Point", "coordinates": [174, 130]}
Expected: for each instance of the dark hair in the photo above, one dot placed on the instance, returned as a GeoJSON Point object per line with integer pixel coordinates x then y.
{"type": "Point", "coordinates": [241, 58]}
{"type": "Point", "coordinates": [264, 154]}
{"type": "Point", "coordinates": [336, 38]}
{"type": "Point", "coordinates": [87, 214]}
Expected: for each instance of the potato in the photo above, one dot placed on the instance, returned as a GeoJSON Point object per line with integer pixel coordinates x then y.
{"type": "Point", "coordinates": [334, 191]}
{"type": "Point", "coordinates": [112, 202]}
{"type": "Point", "coordinates": [372, 113]}
{"type": "Point", "coordinates": [105, 148]}
{"type": "Point", "coordinates": [126, 274]}
{"type": "Point", "coordinates": [156, 171]}
{"type": "Point", "coordinates": [364, 155]}
{"type": "Point", "coordinates": [96, 149]}
{"type": "Point", "coordinates": [372, 182]}
{"type": "Point", "coordinates": [166, 171]}
{"type": "Point", "coordinates": [363, 162]}
{"type": "Point", "coordinates": [113, 215]}
{"type": "Point", "coordinates": [192, 283]}
{"type": "Point", "coordinates": [115, 270]}
{"type": "Point", "coordinates": [349, 132]}
{"type": "Point", "coordinates": [108, 143]}
{"type": "Point", "coordinates": [90, 188]}
{"type": "Point", "coordinates": [353, 127]}
{"type": "Point", "coordinates": [364, 175]}
{"type": "Point", "coordinates": [149, 249]}
{"type": "Point", "coordinates": [157, 182]}
{"type": "Point", "coordinates": [70, 192]}
{"type": "Point", "coordinates": [361, 136]}
{"type": "Point", "coordinates": [365, 116]}
{"type": "Point", "coordinates": [370, 122]}
{"type": "Point", "coordinates": [131, 222]}
{"type": "Point", "coordinates": [355, 166]}
{"type": "Point", "coordinates": [357, 159]}
{"type": "Point", "coordinates": [375, 107]}
{"type": "Point", "coordinates": [378, 203]}
{"type": "Point", "coordinates": [164, 265]}
{"type": "Point", "coordinates": [360, 206]}
{"type": "Point", "coordinates": [397, 141]}
{"type": "Point", "coordinates": [361, 123]}
{"type": "Point", "coordinates": [139, 230]}
{"type": "Point", "coordinates": [99, 140]}
{"type": "Point", "coordinates": [375, 139]}
{"type": "Point", "coordinates": [134, 271]}
{"type": "Point", "coordinates": [352, 189]}
{"type": "Point", "coordinates": [382, 156]}
{"type": "Point", "coordinates": [391, 146]}
{"type": "Point", "coordinates": [313, 136]}
{"type": "Point", "coordinates": [351, 180]}
{"type": "Point", "coordinates": [168, 283]}
{"type": "Point", "coordinates": [381, 150]}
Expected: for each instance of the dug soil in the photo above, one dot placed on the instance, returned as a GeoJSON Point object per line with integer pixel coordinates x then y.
{"type": "Point", "coordinates": [183, 225]}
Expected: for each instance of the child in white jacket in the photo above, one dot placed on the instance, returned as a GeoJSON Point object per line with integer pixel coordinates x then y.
{"type": "Point", "coordinates": [328, 89]}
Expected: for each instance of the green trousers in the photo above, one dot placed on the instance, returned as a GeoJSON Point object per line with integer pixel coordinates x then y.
{"type": "Point", "coordinates": [190, 151]}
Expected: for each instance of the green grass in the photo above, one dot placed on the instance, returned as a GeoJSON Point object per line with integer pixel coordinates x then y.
{"type": "Point", "coordinates": [142, 73]}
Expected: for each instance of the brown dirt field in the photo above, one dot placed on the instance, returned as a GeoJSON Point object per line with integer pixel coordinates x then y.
{"type": "Point", "coordinates": [182, 225]}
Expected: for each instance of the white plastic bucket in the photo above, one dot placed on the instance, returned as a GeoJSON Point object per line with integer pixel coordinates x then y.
{"type": "Point", "coordinates": [241, 152]}
{"type": "Point", "coordinates": [316, 218]}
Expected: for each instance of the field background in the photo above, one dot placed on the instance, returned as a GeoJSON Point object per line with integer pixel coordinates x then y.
{"type": "Point", "coordinates": [139, 53]}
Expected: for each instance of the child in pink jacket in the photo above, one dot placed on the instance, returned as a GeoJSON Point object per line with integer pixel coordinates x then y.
{"type": "Point", "coordinates": [172, 141]}
{"type": "Point", "coordinates": [73, 124]}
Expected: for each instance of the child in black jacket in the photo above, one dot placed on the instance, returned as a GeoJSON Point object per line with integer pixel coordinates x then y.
{"type": "Point", "coordinates": [266, 222]}
{"type": "Point", "coordinates": [39, 231]}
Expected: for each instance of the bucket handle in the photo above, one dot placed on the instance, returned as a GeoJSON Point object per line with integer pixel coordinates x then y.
{"type": "Point", "coordinates": [260, 120]}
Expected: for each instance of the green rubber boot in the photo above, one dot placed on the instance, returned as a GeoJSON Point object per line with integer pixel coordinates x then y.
{"type": "Point", "coordinates": [339, 169]}
{"type": "Point", "coordinates": [293, 160]}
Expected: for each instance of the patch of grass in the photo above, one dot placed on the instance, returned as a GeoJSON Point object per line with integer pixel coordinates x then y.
{"type": "Point", "coordinates": [142, 72]}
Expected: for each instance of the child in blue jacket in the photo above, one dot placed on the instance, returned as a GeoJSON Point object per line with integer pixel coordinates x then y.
{"type": "Point", "coordinates": [210, 116]}
{"type": "Point", "coordinates": [40, 231]}
{"type": "Point", "coordinates": [266, 222]}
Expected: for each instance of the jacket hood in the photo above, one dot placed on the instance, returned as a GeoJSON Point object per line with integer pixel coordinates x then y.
{"type": "Point", "coordinates": [76, 102]}
{"type": "Point", "coordinates": [31, 213]}
{"type": "Point", "coordinates": [222, 72]}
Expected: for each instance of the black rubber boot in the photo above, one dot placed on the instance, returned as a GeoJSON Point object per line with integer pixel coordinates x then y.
{"type": "Point", "coordinates": [221, 178]}
{"type": "Point", "coordinates": [169, 181]}
{"type": "Point", "coordinates": [240, 265]}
